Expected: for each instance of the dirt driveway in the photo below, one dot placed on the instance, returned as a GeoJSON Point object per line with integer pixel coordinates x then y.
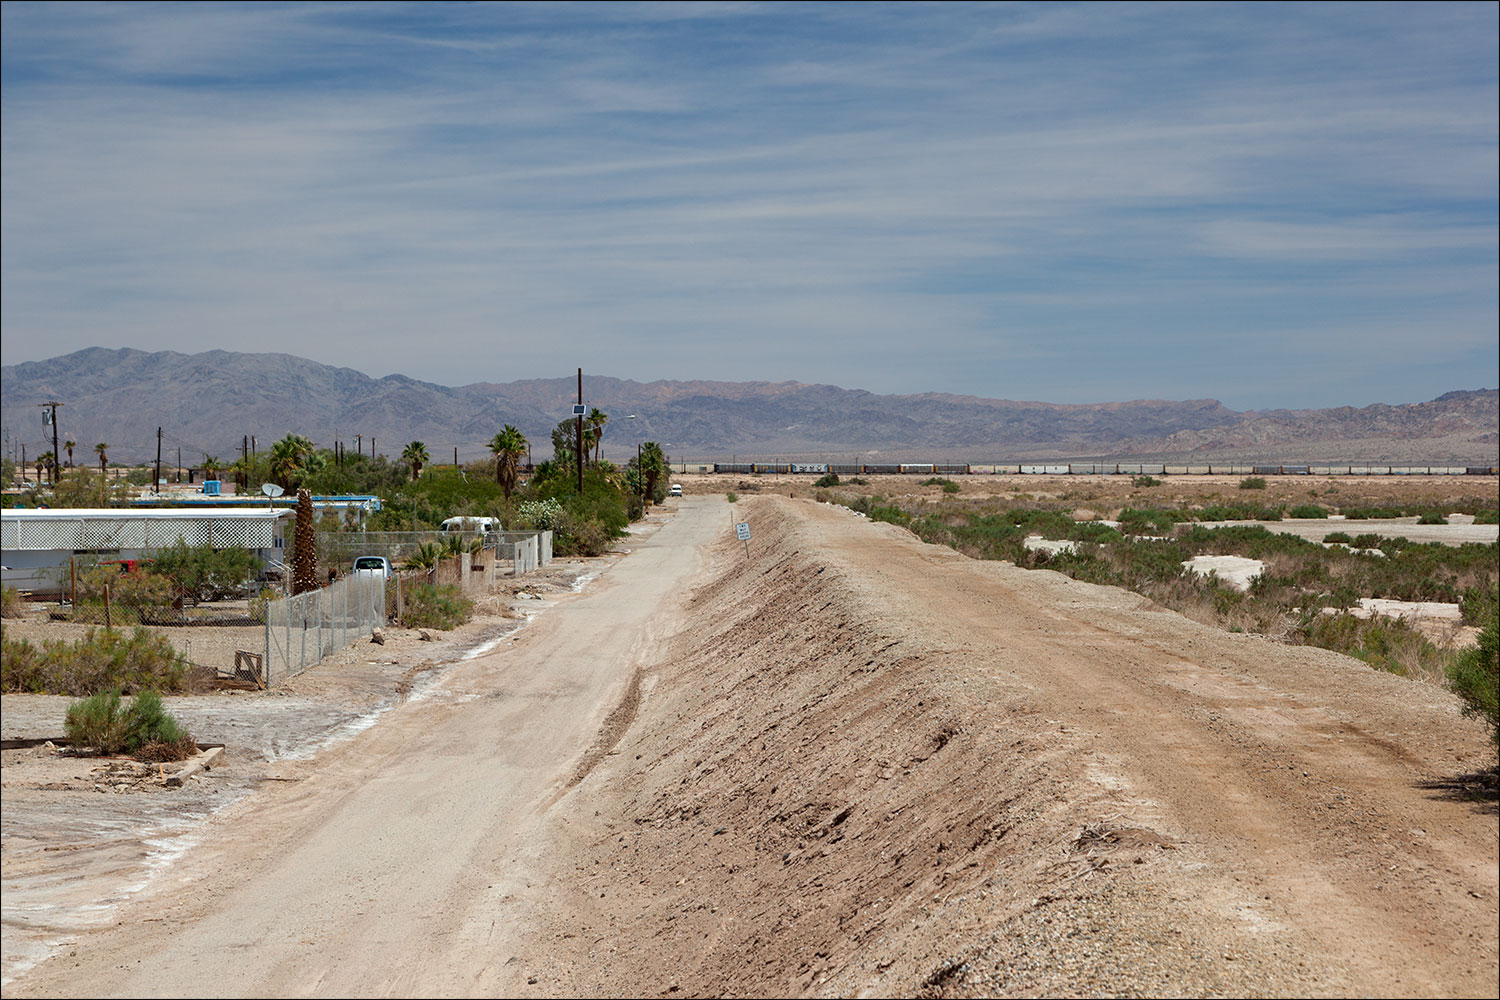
{"type": "Point", "coordinates": [847, 763]}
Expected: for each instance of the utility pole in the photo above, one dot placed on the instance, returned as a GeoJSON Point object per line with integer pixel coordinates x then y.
{"type": "Point", "coordinates": [156, 487]}
{"type": "Point", "coordinates": [179, 465]}
{"type": "Point", "coordinates": [51, 418]}
{"type": "Point", "coordinates": [359, 445]}
{"type": "Point", "coordinates": [578, 458]}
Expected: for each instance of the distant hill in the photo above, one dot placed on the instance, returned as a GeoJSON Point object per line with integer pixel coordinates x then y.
{"type": "Point", "coordinates": [207, 402]}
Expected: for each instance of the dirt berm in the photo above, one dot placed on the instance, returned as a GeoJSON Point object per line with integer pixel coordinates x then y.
{"type": "Point", "coordinates": [871, 766]}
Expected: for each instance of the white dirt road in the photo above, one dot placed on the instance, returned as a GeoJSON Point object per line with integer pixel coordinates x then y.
{"type": "Point", "coordinates": [847, 764]}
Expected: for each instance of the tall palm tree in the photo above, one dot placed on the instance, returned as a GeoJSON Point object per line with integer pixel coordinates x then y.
{"type": "Point", "coordinates": [415, 455]}
{"type": "Point", "coordinates": [44, 463]}
{"type": "Point", "coordinates": [653, 466]}
{"type": "Point", "coordinates": [596, 419]}
{"type": "Point", "coordinates": [103, 458]}
{"type": "Point", "coordinates": [211, 467]}
{"type": "Point", "coordinates": [509, 445]}
{"type": "Point", "coordinates": [70, 444]}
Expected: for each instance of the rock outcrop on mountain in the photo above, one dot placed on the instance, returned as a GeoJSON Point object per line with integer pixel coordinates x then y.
{"type": "Point", "coordinates": [207, 403]}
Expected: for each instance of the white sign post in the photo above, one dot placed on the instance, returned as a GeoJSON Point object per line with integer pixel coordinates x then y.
{"type": "Point", "coordinates": [742, 532]}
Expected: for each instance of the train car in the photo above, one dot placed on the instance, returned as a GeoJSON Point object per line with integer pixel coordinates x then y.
{"type": "Point", "coordinates": [734, 468]}
{"type": "Point", "coordinates": [881, 470]}
{"type": "Point", "coordinates": [916, 470]}
{"type": "Point", "coordinates": [1044, 470]}
{"type": "Point", "coordinates": [1481, 470]}
{"type": "Point", "coordinates": [845, 470]}
{"type": "Point", "coordinates": [696, 468]}
{"type": "Point", "coordinates": [951, 470]}
{"type": "Point", "coordinates": [809, 468]}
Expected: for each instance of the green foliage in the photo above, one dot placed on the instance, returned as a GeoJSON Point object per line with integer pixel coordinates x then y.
{"type": "Point", "coordinates": [101, 661]}
{"type": "Point", "coordinates": [100, 722]}
{"type": "Point", "coordinates": [435, 606]}
{"type": "Point", "coordinates": [204, 573]}
{"type": "Point", "coordinates": [1237, 512]}
{"type": "Point", "coordinates": [1145, 481]}
{"type": "Point", "coordinates": [1475, 675]}
{"type": "Point", "coordinates": [1307, 511]}
{"type": "Point", "coordinates": [1430, 518]}
{"type": "Point", "coordinates": [1480, 605]}
{"type": "Point", "coordinates": [540, 515]}
{"type": "Point", "coordinates": [1337, 536]}
{"type": "Point", "coordinates": [1253, 483]}
{"type": "Point", "coordinates": [1490, 516]}
{"type": "Point", "coordinates": [1147, 522]}
{"type": "Point", "coordinates": [731, 496]}
{"type": "Point", "coordinates": [11, 602]}
{"type": "Point", "coordinates": [948, 485]}
{"type": "Point", "coordinates": [1384, 643]}
{"type": "Point", "coordinates": [134, 598]}
{"type": "Point", "coordinates": [831, 479]}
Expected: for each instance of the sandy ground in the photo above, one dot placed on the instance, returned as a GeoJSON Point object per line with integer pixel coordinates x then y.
{"type": "Point", "coordinates": [841, 763]}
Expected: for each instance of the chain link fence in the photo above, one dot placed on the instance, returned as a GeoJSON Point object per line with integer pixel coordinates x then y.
{"type": "Point", "coordinates": [302, 630]}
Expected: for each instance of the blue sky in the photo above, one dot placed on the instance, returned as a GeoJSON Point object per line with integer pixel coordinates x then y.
{"type": "Point", "coordinates": [1269, 205]}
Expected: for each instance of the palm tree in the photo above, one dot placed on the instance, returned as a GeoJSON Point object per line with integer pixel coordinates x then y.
{"type": "Point", "coordinates": [211, 467]}
{"type": "Point", "coordinates": [43, 463]}
{"type": "Point", "coordinates": [509, 445]}
{"type": "Point", "coordinates": [653, 464]}
{"type": "Point", "coordinates": [103, 458]}
{"type": "Point", "coordinates": [596, 420]}
{"type": "Point", "coordinates": [415, 455]}
{"type": "Point", "coordinates": [287, 456]}
{"type": "Point", "coordinates": [70, 444]}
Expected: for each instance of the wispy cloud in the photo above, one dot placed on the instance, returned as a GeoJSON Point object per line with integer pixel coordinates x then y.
{"type": "Point", "coordinates": [1016, 200]}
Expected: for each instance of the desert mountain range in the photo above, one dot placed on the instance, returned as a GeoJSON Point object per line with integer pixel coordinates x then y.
{"type": "Point", "coordinates": [207, 402]}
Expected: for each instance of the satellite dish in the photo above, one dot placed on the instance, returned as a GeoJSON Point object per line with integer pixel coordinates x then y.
{"type": "Point", "coordinates": [271, 489]}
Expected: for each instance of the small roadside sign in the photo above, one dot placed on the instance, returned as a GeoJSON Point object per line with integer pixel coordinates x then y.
{"type": "Point", "coordinates": [579, 409]}
{"type": "Point", "coordinates": [742, 531]}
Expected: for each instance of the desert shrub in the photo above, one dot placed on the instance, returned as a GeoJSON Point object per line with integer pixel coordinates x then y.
{"type": "Point", "coordinates": [875, 510]}
{"type": "Point", "coordinates": [134, 598]}
{"type": "Point", "coordinates": [1341, 537]}
{"type": "Point", "coordinates": [1368, 513]}
{"type": "Point", "coordinates": [1307, 511]}
{"type": "Point", "coordinates": [581, 535]}
{"type": "Point", "coordinates": [99, 721]}
{"type": "Point", "coordinates": [10, 602]}
{"type": "Point", "coordinates": [102, 660]}
{"type": "Point", "coordinates": [438, 606]}
{"type": "Point", "coordinates": [1480, 604]}
{"type": "Point", "coordinates": [1145, 481]}
{"type": "Point", "coordinates": [1237, 512]}
{"type": "Point", "coordinates": [831, 479]}
{"type": "Point", "coordinates": [207, 574]}
{"type": "Point", "coordinates": [1384, 643]}
{"type": "Point", "coordinates": [1489, 516]}
{"type": "Point", "coordinates": [1430, 518]}
{"type": "Point", "coordinates": [1253, 483]}
{"type": "Point", "coordinates": [1146, 522]}
{"type": "Point", "coordinates": [732, 496]}
{"type": "Point", "coordinates": [948, 485]}
{"type": "Point", "coordinates": [858, 481]}
{"type": "Point", "coordinates": [1474, 676]}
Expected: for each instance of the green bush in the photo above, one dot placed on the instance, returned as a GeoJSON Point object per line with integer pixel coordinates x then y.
{"type": "Point", "coordinates": [1337, 536]}
{"type": "Point", "coordinates": [1490, 516]}
{"type": "Point", "coordinates": [1253, 483]}
{"type": "Point", "coordinates": [1480, 605]}
{"type": "Point", "coordinates": [10, 602]}
{"type": "Point", "coordinates": [1146, 522]}
{"type": "Point", "coordinates": [1307, 511]}
{"type": "Point", "coordinates": [207, 574]}
{"type": "Point", "coordinates": [101, 723]}
{"type": "Point", "coordinates": [731, 496]}
{"type": "Point", "coordinates": [1430, 518]}
{"type": "Point", "coordinates": [831, 479]}
{"type": "Point", "coordinates": [438, 606]}
{"type": "Point", "coordinates": [1475, 676]}
{"type": "Point", "coordinates": [102, 660]}
{"type": "Point", "coordinates": [1145, 481]}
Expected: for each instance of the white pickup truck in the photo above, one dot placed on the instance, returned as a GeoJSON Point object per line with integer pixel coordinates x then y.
{"type": "Point", "coordinates": [373, 566]}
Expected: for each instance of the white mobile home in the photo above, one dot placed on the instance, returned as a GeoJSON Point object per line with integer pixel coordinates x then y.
{"type": "Point", "coordinates": [35, 545]}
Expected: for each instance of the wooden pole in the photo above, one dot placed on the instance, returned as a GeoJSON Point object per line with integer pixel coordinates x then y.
{"type": "Point", "coordinates": [73, 584]}
{"type": "Point", "coordinates": [106, 606]}
{"type": "Point", "coordinates": [579, 457]}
